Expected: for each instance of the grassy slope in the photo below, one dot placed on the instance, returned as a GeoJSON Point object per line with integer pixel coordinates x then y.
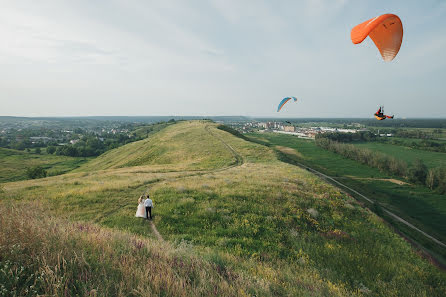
{"type": "Point", "coordinates": [13, 164]}
{"type": "Point", "coordinates": [253, 213]}
{"type": "Point", "coordinates": [417, 204]}
{"type": "Point", "coordinates": [431, 159]}
{"type": "Point", "coordinates": [177, 147]}
{"type": "Point", "coordinates": [83, 259]}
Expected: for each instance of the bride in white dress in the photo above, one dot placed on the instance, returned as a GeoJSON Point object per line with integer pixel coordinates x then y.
{"type": "Point", "coordinates": [141, 211]}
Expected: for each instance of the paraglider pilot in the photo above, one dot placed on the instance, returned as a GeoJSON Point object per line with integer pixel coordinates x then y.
{"type": "Point", "coordinates": [379, 115]}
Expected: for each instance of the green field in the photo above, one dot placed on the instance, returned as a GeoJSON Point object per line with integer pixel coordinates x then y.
{"type": "Point", "coordinates": [415, 203]}
{"type": "Point", "coordinates": [253, 225]}
{"type": "Point", "coordinates": [431, 159]}
{"type": "Point", "coordinates": [13, 164]}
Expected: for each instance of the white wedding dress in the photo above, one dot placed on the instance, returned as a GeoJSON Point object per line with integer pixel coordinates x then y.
{"type": "Point", "coordinates": [141, 211]}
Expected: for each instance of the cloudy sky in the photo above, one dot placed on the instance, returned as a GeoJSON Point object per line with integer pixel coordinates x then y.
{"type": "Point", "coordinates": [218, 57]}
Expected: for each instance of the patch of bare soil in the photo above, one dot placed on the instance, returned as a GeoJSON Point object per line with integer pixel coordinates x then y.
{"type": "Point", "coordinates": [288, 150]}
{"type": "Point", "coordinates": [392, 180]}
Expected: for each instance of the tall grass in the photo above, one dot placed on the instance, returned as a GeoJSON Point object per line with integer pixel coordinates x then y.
{"type": "Point", "coordinates": [41, 255]}
{"type": "Point", "coordinates": [44, 255]}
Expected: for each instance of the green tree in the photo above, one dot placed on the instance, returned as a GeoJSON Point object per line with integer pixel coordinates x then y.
{"type": "Point", "coordinates": [51, 150]}
{"type": "Point", "coordinates": [36, 172]}
{"type": "Point", "coordinates": [418, 172]}
{"type": "Point", "coordinates": [38, 150]}
{"type": "Point", "coordinates": [431, 179]}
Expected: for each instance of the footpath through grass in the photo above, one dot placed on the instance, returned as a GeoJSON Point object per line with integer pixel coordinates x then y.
{"type": "Point", "coordinates": [415, 203]}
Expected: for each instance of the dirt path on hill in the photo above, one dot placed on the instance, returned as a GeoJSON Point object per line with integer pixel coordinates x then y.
{"type": "Point", "coordinates": [155, 231]}
{"type": "Point", "coordinates": [238, 158]}
{"type": "Point", "coordinates": [239, 161]}
{"type": "Point", "coordinates": [392, 180]}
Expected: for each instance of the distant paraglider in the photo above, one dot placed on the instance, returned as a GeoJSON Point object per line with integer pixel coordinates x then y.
{"type": "Point", "coordinates": [285, 100]}
{"type": "Point", "coordinates": [379, 115]}
{"type": "Point", "coordinates": [385, 30]}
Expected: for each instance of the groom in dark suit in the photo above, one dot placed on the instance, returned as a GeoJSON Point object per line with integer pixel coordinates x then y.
{"type": "Point", "coordinates": [148, 204]}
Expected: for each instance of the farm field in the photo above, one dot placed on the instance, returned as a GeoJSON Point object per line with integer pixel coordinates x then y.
{"type": "Point", "coordinates": [13, 164]}
{"type": "Point", "coordinates": [252, 224]}
{"type": "Point", "coordinates": [431, 159]}
{"type": "Point", "coordinates": [417, 204]}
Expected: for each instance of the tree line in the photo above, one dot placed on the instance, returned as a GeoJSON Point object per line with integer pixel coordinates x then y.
{"type": "Point", "coordinates": [89, 146]}
{"type": "Point", "coordinates": [425, 143]}
{"type": "Point", "coordinates": [434, 178]}
{"type": "Point", "coordinates": [362, 136]}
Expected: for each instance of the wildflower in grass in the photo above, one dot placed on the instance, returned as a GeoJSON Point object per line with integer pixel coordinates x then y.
{"type": "Point", "coordinates": [313, 212]}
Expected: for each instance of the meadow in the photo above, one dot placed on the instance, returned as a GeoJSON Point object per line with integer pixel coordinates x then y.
{"type": "Point", "coordinates": [47, 256]}
{"type": "Point", "coordinates": [253, 225]}
{"type": "Point", "coordinates": [415, 203]}
{"type": "Point", "coordinates": [431, 159]}
{"type": "Point", "coordinates": [13, 164]}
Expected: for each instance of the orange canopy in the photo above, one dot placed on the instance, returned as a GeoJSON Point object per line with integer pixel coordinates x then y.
{"type": "Point", "coordinates": [386, 31]}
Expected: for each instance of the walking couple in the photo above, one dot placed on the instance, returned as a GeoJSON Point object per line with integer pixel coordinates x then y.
{"type": "Point", "coordinates": [144, 207]}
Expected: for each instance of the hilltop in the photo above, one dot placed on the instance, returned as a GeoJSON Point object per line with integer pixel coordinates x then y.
{"type": "Point", "coordinates": [176, 147]}
{"type": "Point", "coordinates": [254, 224]}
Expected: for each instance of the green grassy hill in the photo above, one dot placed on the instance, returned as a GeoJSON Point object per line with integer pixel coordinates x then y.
{"type": "Point", "coordinates": [177, 147]}
{"type": "Point", "coordinates": [257, 226]}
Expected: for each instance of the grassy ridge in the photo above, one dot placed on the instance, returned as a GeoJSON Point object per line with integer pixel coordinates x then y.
{"type": "Point", "coordinates": [13, 164]}
{"type": "Point", "coordinates": [178, 147]}
{"type": "Point", "coordinates": [299, 235]}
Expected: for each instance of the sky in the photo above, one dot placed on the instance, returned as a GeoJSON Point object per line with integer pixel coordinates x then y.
{"type": "Point", "coordinates": [217, 57]}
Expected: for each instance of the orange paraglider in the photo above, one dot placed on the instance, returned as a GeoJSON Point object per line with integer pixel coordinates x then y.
{"type": "Point", "coordinates": [385, 30]}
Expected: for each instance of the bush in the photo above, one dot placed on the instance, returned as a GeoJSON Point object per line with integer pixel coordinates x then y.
{"type": "Point", "coordinates": [36, 172]}
{"type": "Point", "coordinates": [436, 179]}
{"type": "Point", "coordinates": [418, 173]}
{"type": "Point", "coordinates": [51, 150]}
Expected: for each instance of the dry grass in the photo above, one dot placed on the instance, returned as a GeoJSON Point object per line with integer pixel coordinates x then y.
{"type": "Point", "coordinates": [43, 255]}
{"type": "Point", "coordinates": [288, 150]}
{"type": "Point", "coordinates": [391, 180]}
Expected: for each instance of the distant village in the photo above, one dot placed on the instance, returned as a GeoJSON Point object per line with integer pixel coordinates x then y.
{"type": "Point", "coordinates": [62, 137]}
{"type": "Point", "coordinates": [301, 132]}
{"type": "Point", "coordinates": [40, 134]}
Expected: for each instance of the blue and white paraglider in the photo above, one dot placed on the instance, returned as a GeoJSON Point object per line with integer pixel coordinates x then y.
{"type": "Point", "coordinates": [285, 100]}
